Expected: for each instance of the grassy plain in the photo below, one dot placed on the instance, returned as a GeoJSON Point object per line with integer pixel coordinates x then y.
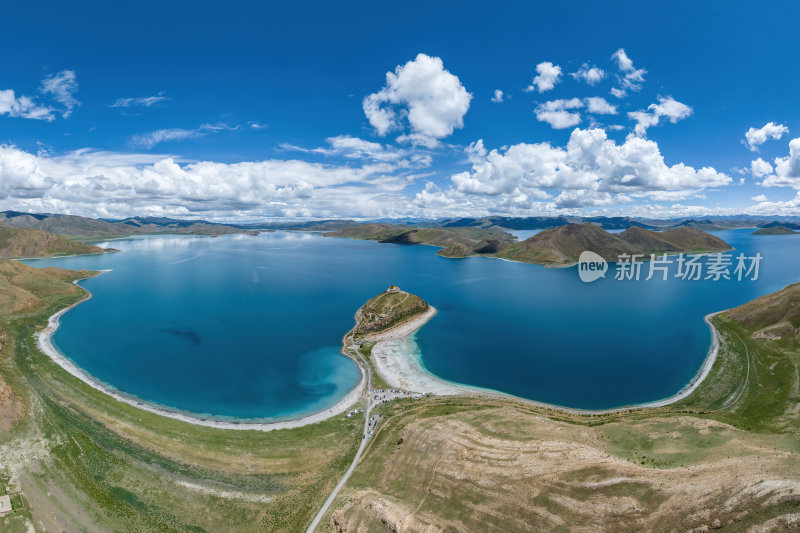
{"type": "Point", "coordinates": [83, 461]}
{"type": "Point", "coordinates": [727, 457]}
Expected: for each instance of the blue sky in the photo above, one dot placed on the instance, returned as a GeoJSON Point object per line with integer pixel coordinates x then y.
{"type": "Point", "coordinates": [258, 110]}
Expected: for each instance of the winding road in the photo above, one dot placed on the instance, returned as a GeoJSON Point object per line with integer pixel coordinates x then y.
{"type": "Point", "coordinates": [335, 492]}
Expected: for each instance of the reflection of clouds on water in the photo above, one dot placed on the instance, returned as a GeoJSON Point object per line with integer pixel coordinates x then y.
{"type": "Point", "coordinates": [195, 256]}
{"type": "Point", "coordinates": [292, 235]}
{"type": "Point", "coordinates": [156, 244]}
{"type": "Point", "coordinates": [272, 236]}
{"type": "Point", "coordinates": [282, 247]}
{"type": "Point", "coordinates": [256, 279]}
{"type": "Point", "coordinates": [467, 280]}
{"type": "Point", "coordinates": [295, 271]}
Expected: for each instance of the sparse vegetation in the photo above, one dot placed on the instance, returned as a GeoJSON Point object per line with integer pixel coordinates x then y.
{"type": "Point", "coordinates": [559, 246]}
{"type": "Point", "coordinates": [85, 461]}
{"type": "Point", "coordinates": [21, 242]}
{"type": "Point", "coordinates": [453, 241]}
{"type": "Point", "coordinates": [727, 456]}
{"type": "Point", "coordinates": [386, 311]}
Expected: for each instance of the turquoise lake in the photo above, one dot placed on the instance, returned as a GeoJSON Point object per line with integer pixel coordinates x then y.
{"type": "Point", "coordinates": [250, 326]}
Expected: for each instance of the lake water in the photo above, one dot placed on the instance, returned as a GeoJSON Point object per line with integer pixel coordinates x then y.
{"type": "Point", "coordinates": [250, 326]}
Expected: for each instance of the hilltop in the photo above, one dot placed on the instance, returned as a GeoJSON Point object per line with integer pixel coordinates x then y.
{"type": "Point", "coordinates": [453, 241]}
{"type": "Point", "coordinates": [387, 310]}
{"type": "Point", "coordinates": [558, 246]}
{"type": "Point", "coordinates": [685, 239]}
{"type": "Point", "coordinates": [775, 229]}
{"type": "Point", "coordinates": [563, 245]}
{"type": "Point", "coordinates": [25, 288]}
{"type": "Point", "coordinates": [21, 242]}
{"type": "Point", "coordinates": [773, 316]}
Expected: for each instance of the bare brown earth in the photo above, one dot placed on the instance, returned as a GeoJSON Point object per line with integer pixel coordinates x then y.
{"type": "Point", "coordinates": [726, 457]}
{"type": "Point", "coordinates": [23, 288]}
{"type": "Point", "coordinates": [453, 241]}
{"type": "Point", "coordinates": [501, 467]}
{"type": "Point", "coordinates": [24, 242]}
{"type": "Point", "coordinates": [563, 245]}
{"type": "Point", "coordinates": [10, 405]}
{"type": "Point", "coordinates": [678, 239]}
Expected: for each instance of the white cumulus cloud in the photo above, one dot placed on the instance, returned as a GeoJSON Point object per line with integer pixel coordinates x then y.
{"type": "Point", "coordinates": [630, 78]}
{"type": "Point", "coordinates": [23, 107]}
{"type": "Point", "coordinates": [430, 98]}
{"type": "Point", "coordinates": [760, 168]}
{"type": "Point", "coordinates": [755, 137]}
{"type": "Point", "coordinates": [590, 162]}
{"type": "Point", "coordinates": [109, 184]}
{"type": "Point", "coordinates": [666, 107]}
{"type": "Point", "coordinates": [589, 74]}
{"type": "Point", "coordinates": [60, 87]}
{"type": "Point", "coordinates": [498, 96]}
{"type": "Point", "coordinates": [559, 114]}
{"type": "Point", "coordinates": [547, 76]}
{"type": "Point", "coordinates": [786, 171]}
{"type": "Point", "coordinates": [599, 106]}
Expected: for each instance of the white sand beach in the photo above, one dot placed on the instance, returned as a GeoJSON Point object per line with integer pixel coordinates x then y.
{"type": "Point", "coordinates": [395, 358]}
{"type": "Point", "coordinates": [44, 340]}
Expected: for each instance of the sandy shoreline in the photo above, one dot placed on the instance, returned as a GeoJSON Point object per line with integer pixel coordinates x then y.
{"type": "Point", "coordinates": [44, 340]}
{"type": "Point", "coordinates": [395, 362]}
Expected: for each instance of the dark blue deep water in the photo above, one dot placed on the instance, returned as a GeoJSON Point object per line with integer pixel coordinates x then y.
{"type": "Point", "coordinates": [250, 326]}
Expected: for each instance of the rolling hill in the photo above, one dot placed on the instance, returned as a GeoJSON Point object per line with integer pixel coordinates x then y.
{"type": "Point", "coordinates": [23, 242]}
{"type": "Point", "coordinates": [454, 241]}
{"type": "Point", "coordinates": [684, 239]}
{"type": "Point", "coordinates": [775, 229]}
{"type": "Point", "coordinates": [563, 245]}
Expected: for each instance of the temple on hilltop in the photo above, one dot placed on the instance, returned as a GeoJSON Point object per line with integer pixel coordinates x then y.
{"type": "Point", "coordinates": [393, 288]}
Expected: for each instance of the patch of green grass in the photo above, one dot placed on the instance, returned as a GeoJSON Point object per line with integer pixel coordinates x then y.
{"type": "Point", "coordinates": [752, 384]}
{"type": "Point", "coordinates": [377, 381]}
{"type": "Point", "coordinates": [131, 470]}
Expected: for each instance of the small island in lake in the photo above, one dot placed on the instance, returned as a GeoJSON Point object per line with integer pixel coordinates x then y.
{"type": "Point", "coordinates": [775, 229]}
{"type": "Point", "coordinates": [387, 311]}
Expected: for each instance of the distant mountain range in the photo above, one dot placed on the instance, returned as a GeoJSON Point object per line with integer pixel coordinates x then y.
{"type": "Point", "coordinates": [84, 227]}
